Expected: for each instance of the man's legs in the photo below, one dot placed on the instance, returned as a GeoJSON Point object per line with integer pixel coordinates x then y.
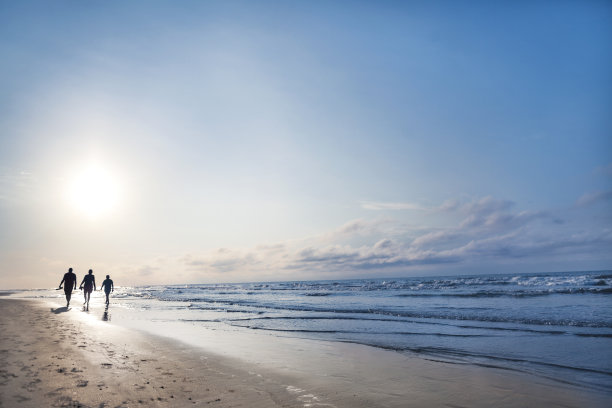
{"type": "Point", "coordinates": [107, 293]}
{"type": "Point", "coordinates": [68, 295]}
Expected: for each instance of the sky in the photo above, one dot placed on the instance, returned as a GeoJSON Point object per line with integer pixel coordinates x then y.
{"type": "Point", "coordinates": [225, 141]}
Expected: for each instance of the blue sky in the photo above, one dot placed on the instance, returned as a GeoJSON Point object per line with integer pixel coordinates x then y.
{"type": "Point", "coordinates": [245, 141]}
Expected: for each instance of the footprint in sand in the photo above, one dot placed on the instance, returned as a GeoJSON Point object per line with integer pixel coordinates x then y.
{"type": "Point", "coordinates": [57, 391]}
{"type": "Point", "coordinates": [32, 385]}
{"type": "Point", "coordinates": [21, 398]}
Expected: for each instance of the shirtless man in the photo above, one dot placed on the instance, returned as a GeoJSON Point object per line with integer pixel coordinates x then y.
{"type": "Point", "coordinates": [69, 282]}
{"type": "Point", "coordinates": [108, 286]}
{"type": "Point", "coordinates": [87, 284]}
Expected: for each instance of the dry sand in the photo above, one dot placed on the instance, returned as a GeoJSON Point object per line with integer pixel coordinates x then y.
{"type": "Point", "coordinates": [53, 357]}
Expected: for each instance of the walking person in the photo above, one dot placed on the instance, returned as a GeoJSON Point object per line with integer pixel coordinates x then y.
{"type": "Point", "coordinates": [69, 282]}
{"type": "Point", "coordinates": [108, 287]}
{"type": "Point", "coordinates": [87, 284]}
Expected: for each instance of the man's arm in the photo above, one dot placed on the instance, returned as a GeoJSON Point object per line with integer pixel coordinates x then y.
{"type": "Point", "coordinates": [75, 280]}
{"type": "Point", "coordinates": [112, 286]}
{"type": "Point", "coordinates": [94, 283]}
{"type": "Point", "coordinates": [64, 278]}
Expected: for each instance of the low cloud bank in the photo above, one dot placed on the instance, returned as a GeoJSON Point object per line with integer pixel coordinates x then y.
{"type": "Point", "coordinates": [485, 229]}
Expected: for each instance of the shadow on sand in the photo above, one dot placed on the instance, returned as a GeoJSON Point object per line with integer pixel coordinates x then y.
{"type": "Point", "coordinates": [60, 310]}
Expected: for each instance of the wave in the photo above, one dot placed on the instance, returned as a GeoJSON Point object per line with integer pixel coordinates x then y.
{"type": "Point", "coordinates": [417, 322]}
{"type": "Point", "coordinates": [562, 280]}
{"type": "Point", "coordinates": [329, 331]}
{"type": "Point", "coordinates": [412, 314]}
{"type": "Point", "coordinates": [517, 294]}
{"type": "Point", "coordinates": [603, 335]}
{"type": "Point", "coordinates": [518, 364]}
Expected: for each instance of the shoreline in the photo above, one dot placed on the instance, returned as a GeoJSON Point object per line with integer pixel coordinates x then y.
{"type": "Point", "coordinates": [57, 357]}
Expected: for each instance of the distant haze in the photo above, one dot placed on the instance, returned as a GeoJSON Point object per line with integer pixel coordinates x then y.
{"type": "Point", "coordinates": [216, 141]}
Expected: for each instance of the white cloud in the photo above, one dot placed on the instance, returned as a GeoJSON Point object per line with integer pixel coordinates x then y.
{"type": "Point", "coordinates": [146, 270]}
{"type": "Point", "coordinates": [372, 205]}
{"type": "Point", "coordinates": [15, 187]}
{"type": "Point", "coordinates": [436, 237]}
{"type": "Point", "coordinates": [223, 260]}
{"type": "Point", "coordinates": [484, 229]}
{"type": "Point", "coordinates": [485, 206]}
{"type": "Point", "coordinates": [448, 206]}
{"type": "Point", "coordinates": [358, 228]}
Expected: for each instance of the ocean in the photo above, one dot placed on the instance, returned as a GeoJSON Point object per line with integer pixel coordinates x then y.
{"type": "Point", "coordinates": [554, 325]}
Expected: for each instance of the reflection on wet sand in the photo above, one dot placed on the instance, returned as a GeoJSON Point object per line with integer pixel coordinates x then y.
{"type": "Point", "coordinates": [106, 316]}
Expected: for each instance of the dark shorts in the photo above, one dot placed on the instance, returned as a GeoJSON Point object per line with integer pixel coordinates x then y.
{"type": "Point", "coordinates": [107, 291]}
{"type": "Point", "coordinates": [67, 291]}
{"type": "Point", "coordinates": [88, 288]}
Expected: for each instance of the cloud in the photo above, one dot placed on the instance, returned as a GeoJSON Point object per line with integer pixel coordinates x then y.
{"type": "Point", "coordinates": [604, 170]}
{"type": "Point", "coordinates": [481, 207]}
{"type": "Point", "coordinates": [448, 206]}
{"type": "Point", "coordinates": [482, 217]}
{"type": "Point", "coordinates": [271, 248]}
{"type": "Point", "coordinates": [483, 229]}
{"type": "Point", "coordinates": [146, 270]}
{"type": "Point", "coordinates": [354, 227]}
{"type": "Point", "coordinates": [223, 260]}
{"type": "Point", "coordinates": [486, 205]}
{"type": "Point", "coordinates": [357, 228]}
{"type": "Point", "coordinates": [501, 220]}
{"type": "Point", "coordinates": [436, 237]}
{"type": "Point", "coordinates": [382, 255]}
{"type": "Point", "coordinates": [330, 255]}
{"type": "Point", "coordinates": [395, 206]}
{"type": "Point", "coordinates": [16, 186]}
{"type": "Point", "coordinates": [516, 245]}
{"type": "Point", "coordinates": [594, 197]}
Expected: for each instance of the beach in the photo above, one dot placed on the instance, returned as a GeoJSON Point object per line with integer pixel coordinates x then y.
{"type": "Point", "coordinates": [58, 357]}
{"type": "Point", "coordinates": [305, 204]}
{"type": "Point", "coordinates": [49, 358]}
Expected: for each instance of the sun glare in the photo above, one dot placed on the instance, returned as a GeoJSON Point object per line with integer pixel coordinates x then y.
{"type": "Point", "coordinates": [93, 191]}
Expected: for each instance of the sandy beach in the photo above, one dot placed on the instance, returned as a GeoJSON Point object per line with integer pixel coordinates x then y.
{"type": "Point", "coordinates": [48, 358]}
{"type": "Point", "coordinates": [58, 357]}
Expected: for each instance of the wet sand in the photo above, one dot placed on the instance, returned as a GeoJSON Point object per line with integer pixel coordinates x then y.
{"type": "Point", "coordinates": [51, 356]}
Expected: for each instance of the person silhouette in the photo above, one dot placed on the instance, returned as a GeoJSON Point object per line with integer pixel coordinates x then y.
{"type": "Point", "coordinates": [69, 282]}
{"type": "Point", "coordinates": [87, 284]}
{"type": "Point", "coordinates": [108, 287]}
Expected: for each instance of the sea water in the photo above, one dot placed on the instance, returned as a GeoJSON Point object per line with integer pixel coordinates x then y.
{"type": "Point", "coordinates": [555, 325]}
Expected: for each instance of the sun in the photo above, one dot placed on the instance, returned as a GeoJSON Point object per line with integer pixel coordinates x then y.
{"type": "Point", "coordinates": [93, 191]}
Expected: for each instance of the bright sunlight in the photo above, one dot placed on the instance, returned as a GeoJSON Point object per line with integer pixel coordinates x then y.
{"type": "Point", "coordinates": [93, 191]}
